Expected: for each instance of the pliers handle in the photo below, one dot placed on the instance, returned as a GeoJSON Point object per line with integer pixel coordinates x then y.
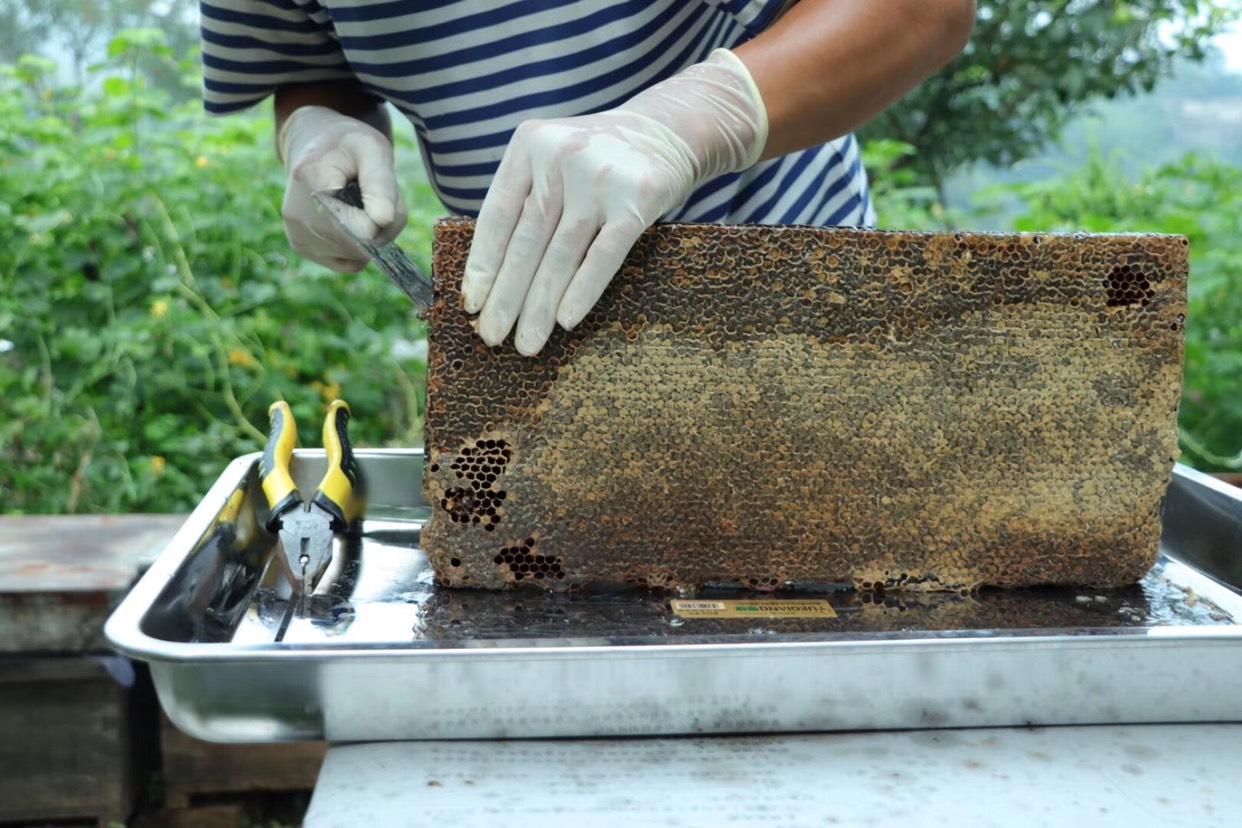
{"type": "Point", "coordinates": [307, 528]}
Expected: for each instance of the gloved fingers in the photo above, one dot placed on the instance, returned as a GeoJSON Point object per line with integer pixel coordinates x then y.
{"type": "Point", "coordinates": [401, 217]}
{"type": "Point", "coordinates": [561, 261]}
{"type": "Point", "coordinates": [350, 266]}
{"type": "Point", "coordinates": [334, 251]}
{"type": "Point", "coordinates": [540, 215]}
{"type": "Point", "coordinates": [332, 171]}
{"type": "Point", "coordinates": [348, 256]}
{"type": "Point", "coordinates": [604, 258]}
{"type": "Point", "coordinates": [374, 162]}
{"type": "Point", "coordinates": [358, 220]}
{"type": "Point", "coordinates": [310, 245]}
{"type": "Point", "coordinates": [502, 207]}
{"type": "Point", "coordinates": [313, 235]}
{"type": "Point", "coordinates": [323, 149]}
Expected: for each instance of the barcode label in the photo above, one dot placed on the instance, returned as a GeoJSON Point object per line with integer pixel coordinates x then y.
{"type": "Point", "coordinates": [775, 608]}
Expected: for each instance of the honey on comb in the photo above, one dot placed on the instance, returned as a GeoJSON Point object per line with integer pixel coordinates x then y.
{"type": "Point", "coordinates": [766, 405]}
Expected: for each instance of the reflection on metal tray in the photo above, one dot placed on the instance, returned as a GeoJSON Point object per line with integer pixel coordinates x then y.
{"type": "Point", "coordinates": [380, 652]}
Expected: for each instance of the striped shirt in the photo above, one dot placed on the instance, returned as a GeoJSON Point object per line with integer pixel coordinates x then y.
{"type": "Point", "coordinates": [467, 72]}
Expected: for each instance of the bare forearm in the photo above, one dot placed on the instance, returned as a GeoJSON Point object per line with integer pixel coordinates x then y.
{"type": "Point", "coordinates": [829, 66]}
{"type": "Point", "coordinates": [346, 97]}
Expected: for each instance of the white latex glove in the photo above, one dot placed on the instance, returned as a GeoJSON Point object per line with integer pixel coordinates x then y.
{"type": "Point", "coordinates": [323, 149]}
{"type": "Point", "coordinates": [572, 195]}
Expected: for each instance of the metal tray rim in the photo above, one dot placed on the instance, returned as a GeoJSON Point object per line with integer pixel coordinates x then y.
{"type": "Point", "coordinates": [123, 628]}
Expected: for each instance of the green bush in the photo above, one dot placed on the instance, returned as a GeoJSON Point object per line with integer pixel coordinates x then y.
{"type": "Point", "coordinates": [150, 308]}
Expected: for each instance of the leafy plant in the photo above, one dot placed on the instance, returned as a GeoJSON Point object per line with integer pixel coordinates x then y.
{"type": "Point", "coordinates": [901, 202]}
{"type": "Point", "coordinates": [150, 308]}
{"type": "Point", "coordinates": [79, 31]}
{"type": "Point", "coordinates": [1031, 66]}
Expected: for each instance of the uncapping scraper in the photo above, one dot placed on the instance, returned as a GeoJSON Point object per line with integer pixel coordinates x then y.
{"type": "Point", "coordinates": [390, 258]}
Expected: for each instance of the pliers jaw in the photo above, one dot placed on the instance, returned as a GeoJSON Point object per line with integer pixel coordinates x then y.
{"type": "Point", "coordinates": [307, 527]}
{"type": "Point", "coordinates": [306, 538]}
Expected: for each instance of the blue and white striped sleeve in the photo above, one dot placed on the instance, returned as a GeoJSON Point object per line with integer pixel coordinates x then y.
{"type": "Point", "coordinates": [753, 15]}
{"type": "Point", "coordinates": [253, 47]}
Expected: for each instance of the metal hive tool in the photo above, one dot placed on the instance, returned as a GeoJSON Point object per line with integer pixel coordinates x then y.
{"type": "Point", "coordinates": [389, 258]}
{"type": "Point", "coordinates": [771, 405]}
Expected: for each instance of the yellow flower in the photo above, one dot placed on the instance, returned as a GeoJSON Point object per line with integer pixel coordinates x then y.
{"type": "Point", "coordinates": [242, 358]}
{"type": "Point", "coordinates": [157, 466]}
{"type": "Point", "coordinates": [201, 161]}
{"type": "Point", "coordinates": [328, 390]}
{"type": "Point", "coordinates": [159, 308]}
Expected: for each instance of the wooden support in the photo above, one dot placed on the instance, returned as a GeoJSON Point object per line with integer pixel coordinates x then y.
{"type": "Point", "coordinates": [67, 750]}
{"type": "Point", "coordinates": [61, 576]}
{"type": "Point", "coordinates": [75, 717]}
{"type": "Point", "coordinates": [78, 724]}
{"type": "Point", "coordinates": [194, 769]}
{"type": "Point", "coordinates": [207, 816]}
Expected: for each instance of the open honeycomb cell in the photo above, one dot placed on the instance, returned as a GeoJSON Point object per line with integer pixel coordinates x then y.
{"type": "Point", "coordinates": [523, 561]}
{"type": "Point", "coordinates": [771, 405]}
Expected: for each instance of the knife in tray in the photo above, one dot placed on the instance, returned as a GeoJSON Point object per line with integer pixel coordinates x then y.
{"type": "Point", "coordinates": [390, 258]}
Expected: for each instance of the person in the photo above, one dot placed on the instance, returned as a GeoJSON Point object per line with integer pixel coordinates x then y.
{"type": "Point", "coordinates": [570, 126]}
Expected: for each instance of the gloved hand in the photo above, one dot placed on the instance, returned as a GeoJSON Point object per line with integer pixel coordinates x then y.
{"type": "Point", "coordinates": [572, 195]}
{"type": "Point", "coordinates": [323, 149]}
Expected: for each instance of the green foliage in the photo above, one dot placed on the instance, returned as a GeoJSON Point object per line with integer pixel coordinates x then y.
{"type": "Point", "coordinates": [1202, 200]}
{"type": "Point", "coordinates": [901, 202]}
{"type": "Point", "coordinates": [80, 30]}
{"type": "Point", "coordinates": [150, 308]}
{"type": "Point", "coordinates": [1031, 66]}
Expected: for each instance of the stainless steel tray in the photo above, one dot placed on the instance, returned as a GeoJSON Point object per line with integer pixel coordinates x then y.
{"type": "Point", "coordinates": [382, 653]}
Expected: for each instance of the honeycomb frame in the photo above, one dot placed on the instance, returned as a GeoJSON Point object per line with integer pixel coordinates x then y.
{"type": "Point", "coordinates": [773, 405]}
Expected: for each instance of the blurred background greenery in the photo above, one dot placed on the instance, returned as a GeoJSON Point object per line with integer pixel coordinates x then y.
{"type": "Point", "coordinates": [150, 308]}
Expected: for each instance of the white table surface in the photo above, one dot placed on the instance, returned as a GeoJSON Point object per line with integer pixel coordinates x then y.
{"type": "Point", "coordinates": [1132, 776]}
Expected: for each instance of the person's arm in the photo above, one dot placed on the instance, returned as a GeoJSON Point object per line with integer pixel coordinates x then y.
{"type": "Point", "coordinates": [327, 135]}
{"type": "Point", "coordinates": [572, 195]}
{"type": "Point", "coordinates": [329, 128]}
{"type": "Point", "coordinates": [827, 67]}
{"type": "Point", "coordinates": [346, 97]}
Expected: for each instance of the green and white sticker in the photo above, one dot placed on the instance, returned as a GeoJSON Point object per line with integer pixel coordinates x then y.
{"type": "Point", "coordinates": [777, 608]}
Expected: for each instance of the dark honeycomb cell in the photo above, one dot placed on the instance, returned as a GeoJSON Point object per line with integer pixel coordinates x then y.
{"type": "Point", "coordinates": [766, 405]}
{"type": "Point", "coordinates": [1128, 286]}
{"type": "Point", "coordinates": [521, 562]}
{"type": "Point", "coordinates": [478, 467]}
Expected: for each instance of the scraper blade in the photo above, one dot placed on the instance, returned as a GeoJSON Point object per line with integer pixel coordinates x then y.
{"type": "Point", "coordinates": [390, 258]}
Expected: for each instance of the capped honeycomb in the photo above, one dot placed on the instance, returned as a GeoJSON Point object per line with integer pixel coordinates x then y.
{"type": "Point", "coordinates": [772, 405]}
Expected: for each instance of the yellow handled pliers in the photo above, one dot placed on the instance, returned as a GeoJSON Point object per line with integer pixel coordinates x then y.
{"type": "Point", "coordinates": [307, 528]}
